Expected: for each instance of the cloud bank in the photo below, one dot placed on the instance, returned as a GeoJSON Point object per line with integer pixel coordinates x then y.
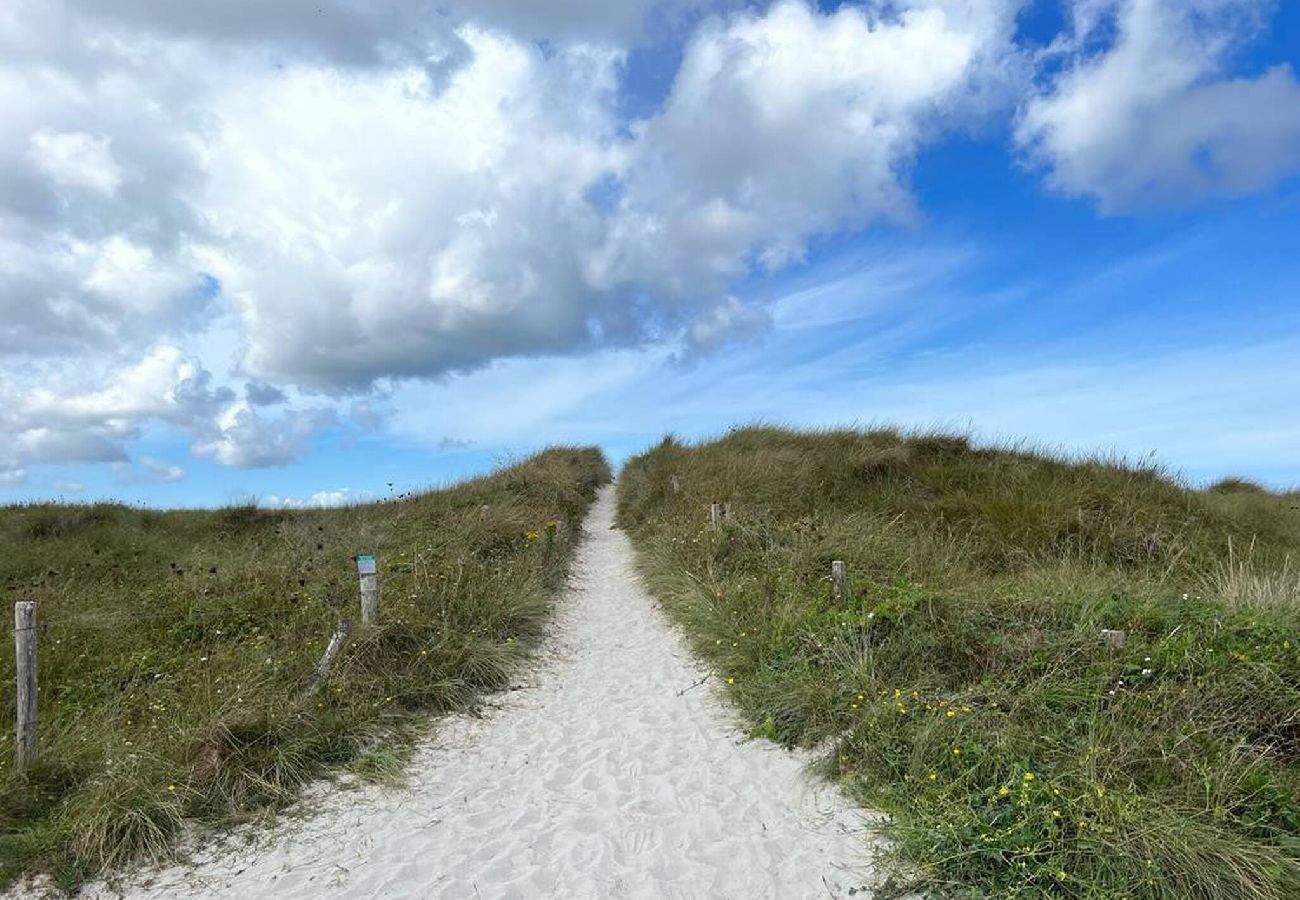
{"type": "Point", "coordinates": [238, 220]}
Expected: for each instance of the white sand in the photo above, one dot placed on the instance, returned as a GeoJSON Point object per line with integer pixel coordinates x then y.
{"type": "Point", "coordinates": [606, 775]}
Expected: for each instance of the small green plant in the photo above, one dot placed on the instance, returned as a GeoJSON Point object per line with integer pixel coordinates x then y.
{"type": "Point", "coordinates": [962, 684]}
{"type": "Point", "coordinates": [175, 649]}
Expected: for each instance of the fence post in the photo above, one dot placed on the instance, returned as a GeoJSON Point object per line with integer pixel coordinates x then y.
{"type": "Point", "coordinates": [677, 485]}
{"type": "Point", "coordinates": [839, 580]}
{"type": "Point", "coordinates": [337, 642]}
{"type": "Point", "coordinates": [715, 514]}
{"type": "Point", "coordinates": [368, 571]}
{"type": "Point", "coordinates": [1114, 638]}
{"type": "Point", "coordinates": [25, 650]}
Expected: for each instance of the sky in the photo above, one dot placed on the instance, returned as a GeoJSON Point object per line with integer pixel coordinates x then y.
{"type": "Point", "coordinates": [318, 252]}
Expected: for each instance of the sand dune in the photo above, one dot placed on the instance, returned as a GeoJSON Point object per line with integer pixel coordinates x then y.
{"type": "Point", "coordinates": [607, 774]}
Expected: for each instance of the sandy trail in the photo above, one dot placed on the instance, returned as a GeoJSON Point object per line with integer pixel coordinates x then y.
{"type": "Point", "coordinates": [606, 775]}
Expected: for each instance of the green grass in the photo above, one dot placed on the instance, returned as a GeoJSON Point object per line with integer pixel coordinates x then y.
{"type": "Point", "coordinates": [962, 686]}
{"type": "Point", "coordinates": [175, 647]}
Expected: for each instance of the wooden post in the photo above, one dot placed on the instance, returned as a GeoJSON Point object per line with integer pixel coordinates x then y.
{"type": "Point", "coordinates": [1114, 638]}
{"type": "Point", "coordinates": [340, 639]}
{"type": "Point", "coordinates": [715, 514]}
{"type": "Point", "coordinates": [25, 650]}
{"type": "Point", "coordinates": [677, 485]}
{"type": "Point", "coordinates": [839, 580]}
{"type": "Point", "coordinates": [483, 512]}
{"type": "Point", "coordinates": [369, 574]}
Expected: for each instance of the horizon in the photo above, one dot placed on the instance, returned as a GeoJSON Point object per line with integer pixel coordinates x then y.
{"type": "Point", "coordinates": [395, 493]}
{"type": "Point", "coordinates": [303, 251]}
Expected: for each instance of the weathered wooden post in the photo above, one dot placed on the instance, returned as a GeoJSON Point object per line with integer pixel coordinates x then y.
{"type": "Point", "coordinates": [483, 512]}
{"type": "Point", "coordinates": [1114, 638]}
{"type": "Point", "coordinates": [677, 485]}
{"type": "Point", "coordinates": [25, 650]}
{"type": "Point", "coordinates": [839, 580]}
{"type": "Point", "coordinates": [337, 642]}
{"type": "Point", "coordinates": [368, 571]}
{"type": "Point", "coordinates": [715, 515]}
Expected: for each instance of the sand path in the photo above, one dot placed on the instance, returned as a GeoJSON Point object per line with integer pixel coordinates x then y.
{"type": "Point", "coordinates": [607, 774]}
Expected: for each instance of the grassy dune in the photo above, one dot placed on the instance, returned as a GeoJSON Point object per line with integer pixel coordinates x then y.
{"type": "Point", "coordinates": [962, 685]}
{"type": "Point", "coordinates": [175, 646]}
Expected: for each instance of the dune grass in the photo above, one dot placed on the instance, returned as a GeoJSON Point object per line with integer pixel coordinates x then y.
{"type": "Point", "coordinates": [962, 685]}
{"type": "Point", "coordinates": [175, 647]}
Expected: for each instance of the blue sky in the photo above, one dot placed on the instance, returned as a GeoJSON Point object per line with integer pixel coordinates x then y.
{"type": "Point", "coordinates": [654, 227]}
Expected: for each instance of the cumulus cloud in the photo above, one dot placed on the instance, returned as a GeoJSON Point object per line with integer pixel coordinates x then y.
{"type": "Point", "coordinates": [793, 123]}
{"type": "Point", "coordinates": [212, 213]}
{"type": "Point", "coordinates": [574, 20]}
{"type": "Point", "coordinates": [787, 125]}
{"type": "Point", "coordinates": [76, 160]}
{"type": "Point", "coordinates": [336, 497]}
{"type": "Point", "coordinates": [259, 393]}
{"type": "Point", "coordinates": [374, 192]}
{"type": "Point", "coordinates": [54, 421]}
{"type": "Point", "coordinates": [463, 246]}
{"type": "Point", "coordinates": [158, 470]}
{"type": "Point", "coordinates": [240, 437]}
{"type": "Point", "coordinates": [1154, 117]}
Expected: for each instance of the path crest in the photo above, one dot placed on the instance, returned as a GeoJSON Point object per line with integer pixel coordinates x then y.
{"type": "Point", "coordinates": [601, 776]}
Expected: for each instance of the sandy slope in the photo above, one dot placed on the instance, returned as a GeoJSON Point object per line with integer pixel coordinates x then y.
{"type": "Point", "coordinates": [606, 775]}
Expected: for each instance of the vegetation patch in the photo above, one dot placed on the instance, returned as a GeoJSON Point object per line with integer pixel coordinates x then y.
{"type": "Point", "coordinates": [962, 683]}
{"type": "Point", "coordinates": [176, 648]}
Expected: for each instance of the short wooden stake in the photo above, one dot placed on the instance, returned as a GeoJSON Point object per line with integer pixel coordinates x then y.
{"type": "Point", "coordinates": [715, 514]}
{"type": "Point", "coordinates": [342, 632]}
{"type": "Point", "coordinates": [1113, 637]}
{"type": "Point", "coordinates": [25, 650]}
{"type": "Point", "coordinates": [368, 571]}
{"type": "Point", "coordinates": [839, 580]}
{"type": "Point", "coordinates": [677, 485]}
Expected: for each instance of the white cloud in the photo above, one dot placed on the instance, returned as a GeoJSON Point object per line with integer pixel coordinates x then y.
{"type": "Point", "coordinates": [1155, 117]}
{"type": "Point", "coordinates": [77, 160]}
{"type": "Point", "coordinates": [464, 245]}
{"type": "Point", "coordinates": [337, 497]}
{"type": "Point", "coordinates": [69, 487]}
{"type": "Point", "coordinates": [161, 471]}
{"type": "Point", "coordinates": [210, 210]}
{"type": "Point", "coordinates": [569, 20]}
{"type": "Point", "coordinates": [346, 196]}
{"type": "Point", "coordinates": [55, 420]}
{"type": "Point", "coordinates": [791, 124]}
{"type": "Point", "coordinates": [243, 438]}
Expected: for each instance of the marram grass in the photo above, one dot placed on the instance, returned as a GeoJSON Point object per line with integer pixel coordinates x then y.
{"type": "Point", "coordinates": [963, 687]}
{"type": "Point", "coordinates": [175, 648]}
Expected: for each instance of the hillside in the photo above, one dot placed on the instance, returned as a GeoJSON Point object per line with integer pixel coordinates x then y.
{"type": "Point", "coordinates": [176, 647]}
{"type": "Point", "coordinates": [962, 683]}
